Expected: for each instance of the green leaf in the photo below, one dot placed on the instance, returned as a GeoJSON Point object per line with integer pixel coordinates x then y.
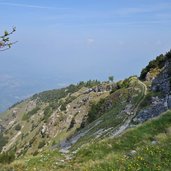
{"type": "Point", "coordinates": [6, 33]}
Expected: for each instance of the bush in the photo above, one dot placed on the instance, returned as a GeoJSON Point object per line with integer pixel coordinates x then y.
{"type": "Point", "coordinates": [96, 110]}
{"type": "Point", "coordinates": [7, 157]}
{"type": "Point", "coordinates": [41, 144]}
{"type": "Point", "coordinates": [47, 113]}
{"type": "Point", "coordinates": [18, 127]}
{"type": "Point", "coordinates": [3, 141]}
{"type": "Point", "coordinates": [159, 62]}
{"type": "Point", "coordinates": [168, 55]}
{"type": "Point", "coordinates": [63, 107]}
{"type": "Point", "coordinates": [27, 115]}
{"type": "Point", "coordinates": [32, 112]}
{"type": "Point", "coordinates": [123, 84]}
{"type": "Point", "coordinates": [73, 122]}
{"type": "Point", "coordinates": [35, 153]}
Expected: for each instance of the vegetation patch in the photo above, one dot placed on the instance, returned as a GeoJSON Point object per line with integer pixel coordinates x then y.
{"type": "Point", "coordinates": [27, 115]}
{"type": "Point", "coordinates": [159, 62]}
{"type": "Point", "coordinates": [97, 109]}
{"type": "Point", "coordinates": [41, 144]}
{"type": "Point", "coordinates": [3, 141]}
{"type": "Point", "coordinates": [134, 150]}
{"type": "Point", "coordinates": [114, 154]}
{"type": "Point", "coordinates": [52, 96]}
{"type": "Point", "coordinates": [47, 113]}
{"type": "Point", "coordinates": [18, 127]}
{"type": "Point", "coordinates": [7, 158]}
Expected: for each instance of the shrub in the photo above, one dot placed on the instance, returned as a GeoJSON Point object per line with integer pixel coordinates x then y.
{"type": "Point", "coordinates": [7, 157]}
{"type": "Point", "coordinates": [41, 144]}
{"type": "Point", "coordinates": [18, 127]}
{"type": "Point", "coordinates": [96, 110]}
{"type": "Point", "coordinates": [73, 122]}
{"type": "Point", "coordinates": [63, 107]}
{"type": "Point", "coordinates": [159, 62]}
{"type": "Point", "coordinates": [168, 55]}
{"type": "Point", "coordinates": [32, 112]}
{"type": "Point", "coordinates": [35, 153]}
{"type": "Point", "coordinates": [3, 141]}
{"type": "Point", "coordinates": [27, 115]}
{"type": "Point", "coordinates": [47, 113]}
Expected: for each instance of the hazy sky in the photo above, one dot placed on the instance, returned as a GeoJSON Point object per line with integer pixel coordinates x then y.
{"type": "Point", "coordinates": [65, 41]}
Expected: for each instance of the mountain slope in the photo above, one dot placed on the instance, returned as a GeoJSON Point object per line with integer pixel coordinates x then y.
{"type": "Point", "coordinates": [146, 147]}
{"type": "Point", "coordinates": [125, 102]}
{"type": "Point", "coordinates": [62, 126]}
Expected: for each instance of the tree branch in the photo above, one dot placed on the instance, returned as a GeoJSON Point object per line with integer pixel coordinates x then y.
{"type": "Point", "coordinates": [5, 43]}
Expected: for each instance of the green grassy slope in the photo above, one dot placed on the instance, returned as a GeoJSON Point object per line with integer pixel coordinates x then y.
{"type": "Point", "coordinates": [111, 121]}
{"type": "Point", "coordinates": [146, 148]}
{"type": "Point", "coordinates": [151, 143]}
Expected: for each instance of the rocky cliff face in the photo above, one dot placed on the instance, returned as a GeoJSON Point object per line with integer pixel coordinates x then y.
{"type": "Point", "coordinates": [161, 94]}
{"type": "Point", "coordinates": [162, 81]}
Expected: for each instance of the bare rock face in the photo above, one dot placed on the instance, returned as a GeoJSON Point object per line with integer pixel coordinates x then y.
{"type": "Point", "coordinates": [44, 131]}
{"type": "Point", "coordinates": [133, 153]}
{"type": "Point", "coordinates": [152, 111]}
{"type": "Point", "coordinates": [149, 77]}
{"type": "Point", "coordinates": [159, 104]}
{"type": "Point", "coordinates": [100, 88]}
{"type": "Point", "coordinates": [169, 102]}
{"type": "Point", "coordinates": [14, 113]}
{"type": "Point", "coordinates": [162, 81]}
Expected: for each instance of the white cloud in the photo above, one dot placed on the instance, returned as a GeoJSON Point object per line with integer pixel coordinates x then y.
{"type": "Point", "coordinates": [28, 6]}
{"type": "Point", "coordinates": [90, 41]}
{"type": "Point", "coordinates": [144, 9]}
{"type": "Point", "coordinates": [129, 11]}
